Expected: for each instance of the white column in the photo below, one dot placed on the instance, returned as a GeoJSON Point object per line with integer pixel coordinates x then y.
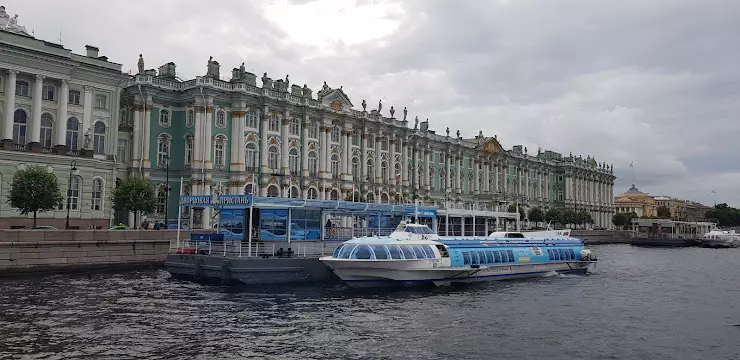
{"type": "Point", "coordinates": [505, 175]}
{"type": "Point", "coordinates": [427, 168]}
{"type": "Point", "coordinates": [496, 169]}
{"type": "Point", "coordinates": [208, 148]}
{"type": "Point", "coordinates": [284, 147]}
{"type": "Point", "coordinates": [416, 161]}
{"type": "Point", "coordinates": [236, 143]}
{"type": "Point", "coordinates": [476, 177]}
{"type": "Point", "coordinates": [36, 110]}
{"type": "Point", "coordinates": [363, 159]}
{"type": "Point", "coordinates": [61, 126]}
{"type": "Point", "coordinates": [487, 177]}
{"type": "Point", "coordinates": [138, 111]}
{"type": "Point", "coordinates": [458, 175]}
{"type": "Point", "coordinates": [448, 169]}
{"type": "Point", "coordinates": [147, 130]}
{"type": "Point", "coordinates": [9, 104]}
{"type": "Point", "coordinates": [346, 154]}
{"type": "Point", "coordinates": [304, 147]}
{"type": "Point", "coordinates": [327, 152]}
{"type": "Point", "coordinates": [378, 173]}
{"type": "Point", "coordinates": [87, 109]}
{"type": "Point", "coordinates": [197, 139]}
{"type": "Point", "coordinates": [404, 163]}
{"type": "Point", "coordinates": [263, 143]}
{"type": "Point", "coordinates": [241, 141]}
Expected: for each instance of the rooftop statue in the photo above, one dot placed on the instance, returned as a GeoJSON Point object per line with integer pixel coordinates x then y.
{"type": "Point", "coordinates": [141, 64]}
{"type": "Point", "coordinates": [364, 105]}
{"type": "Point", "coordinates": [11, 24]}
{"type": "Point", "coordinates": [416, 122]}
{"type": "Point", "coordinates": [392, 111]}
{"type": "Point", "coordinates": [380, 106]}
{"type": "Point", "coordinates": [405, 112]}
{"type": "Point", "coordinates": [448, 131]}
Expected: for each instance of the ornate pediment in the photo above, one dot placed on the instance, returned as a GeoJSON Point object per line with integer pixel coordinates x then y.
{"type": "Point", "coordinates": [491, 146]}
{"type": "Point", "coordinates": [336, 100]}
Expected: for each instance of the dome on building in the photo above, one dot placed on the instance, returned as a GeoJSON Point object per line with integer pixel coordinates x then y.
{"type": "Point", "coordinates": [633, 190]}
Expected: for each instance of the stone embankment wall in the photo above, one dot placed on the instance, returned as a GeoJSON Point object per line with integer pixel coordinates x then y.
{"type": "Point", "coordinates": [24, 251]}
{"type": "Point", "coordinates": [596, 237]}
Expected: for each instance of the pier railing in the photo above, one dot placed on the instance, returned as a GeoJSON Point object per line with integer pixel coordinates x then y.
{"type": "Point", "coordinates": [259, 249]}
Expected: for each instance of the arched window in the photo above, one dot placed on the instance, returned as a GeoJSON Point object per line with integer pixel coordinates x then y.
{"type": "Point", "coordinates": [73, 133]}
{"type": "Point", "coordinates": [442, 180]}
{"type": "Point", "coordinates": [161, 201]}
{"type": "Point", "coordinates": [396, 170]}
{"type": "Point", "coordinates": [273, 158]}
{"type": "Point", "coordinates": [97, 195]}
{"type": "Point", "coordinates": [73, 201]}
{"type": "Point", "coordinates": [356, 169]}
{"type": "Point", "coordinates": [370, 197]}
{"type": "Point", "coordinates": [190, 119]}
{"type": "Point", "coordinates": [251, 156]}
{"type": "Point", "coordinates": [335, 132]}
{"type": "Point", "coordinates": [335, 165]}
{"type": "Point", "coordinates": [313, 164]}
{"type": "Point", "coordinates": [99, 138]}
{"type": "Point", "coordinates": [313, 131]}
{"type": "Point", "coordinates": [334, 194]}
{"type": "Point", "coordinates": [164, 118]}
{"type": "Point", "coordinates": [313, 194]}
{"type": "Point", "coordinates": [274, 123]}
{"type": "Point", "coordinates": [163, 149]}
{"type": "Point", "coordinates": [219, 155]}
{"type": "Point", "coordinates": [293, 162]}
{"type": "Point", "coordinates": [250, 189]}
{"type": "Point", "coordinates": [384, 198]}
{"type": "Point", "coordinates": [370, 170]}
{"type": "Point", "coordinates": [295, 127]}
{"type": "Point", "coordinates": [47, 130]}
{"type": "Point", "coordinates": [273, 191]}
{"type": "Point", "coordinates": [252, 119]}
{"type": "Point", "coordinates": [188, 149]}
{"type": "Point", "coordinates": [221, 118]}
{"type": "Point", "coordinates": [295, 193]}
{"type": "Point", "coordinates": [20, 125]}
{"type": "Point", "coordinates": [383, 171]}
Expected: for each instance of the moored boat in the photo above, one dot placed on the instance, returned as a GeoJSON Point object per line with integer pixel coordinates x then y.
{"type": "Point", "coordinates": [414, 254]}
{"type": "Point", "coordinates": [717, 238]}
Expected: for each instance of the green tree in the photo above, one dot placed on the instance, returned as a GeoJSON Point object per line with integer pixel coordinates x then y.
{"type": "Point", "coordinates": [619, 220]}
{"type": "Point", "coordinates": [536, 215]}
{"type": "Point", "coordinates": [135, 194]}
{"type": "Point", "coordinates": [512, 209]}
{"type": "Point", "coordinates": [724, 215]}
{"type": "Point", "coordinates": [569, 216]}
{"type": "Point", "coordinates": [553, 215]}
{"type": "Point", "coordinates": [34, 190]}
{"type": "Point", "coordinates": [663, 212]}
{"type": "Point", "coordinates": [584, 217]}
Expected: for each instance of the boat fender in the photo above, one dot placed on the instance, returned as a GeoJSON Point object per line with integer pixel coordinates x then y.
{"type": "Point", "coordinates": [586, 255]}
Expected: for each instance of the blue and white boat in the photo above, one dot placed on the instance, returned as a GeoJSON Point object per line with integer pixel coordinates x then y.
{"type": "Point", "coordinates": [414, 254]}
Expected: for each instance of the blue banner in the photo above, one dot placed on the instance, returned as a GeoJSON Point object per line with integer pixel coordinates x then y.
{"type": "Point", "coordinates": [222, 201]}
{"type": "Point", "coordinates": [232, 224]}
{"type": "Point", "coordinates": [420, 213]}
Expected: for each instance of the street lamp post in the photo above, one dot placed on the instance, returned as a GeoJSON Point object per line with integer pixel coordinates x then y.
{"type": "Point", "coordinates": [166, 159]}
{"type": "Point", "coordinates": [73, 171]}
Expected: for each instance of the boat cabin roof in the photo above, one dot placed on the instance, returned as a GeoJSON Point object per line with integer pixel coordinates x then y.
{"type": "Point", "coordinates": [410, 227]}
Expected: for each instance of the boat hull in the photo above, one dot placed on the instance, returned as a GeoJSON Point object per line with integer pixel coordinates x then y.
{"type": "Point", "coordinates": [386, 273]}
{"type": "Point", "coordinates": [719, 243]}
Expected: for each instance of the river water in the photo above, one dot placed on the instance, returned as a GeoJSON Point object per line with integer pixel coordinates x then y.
{"type": "Point", "coordinates": [639, 304]}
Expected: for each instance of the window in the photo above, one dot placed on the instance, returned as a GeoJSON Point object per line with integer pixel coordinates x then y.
{"type": "Point", "coordinates": [398, 146]}
{"type": "Point", "coordinates": [73, 197]}
{"type": "Point", "coordinates": [441, 157]}
{"type": "Point", "coordinates": [190, 119]}
{"type": "Point", "coordinates": [274, 123]}
{"type": "Point", "coordinates": [384, 144]}
{"type": "Point", "coordinates": [370, 171]}
{"type": "Point", "coordinates": [293, 162]}
{"type": "Point", "coordinates": [122, 150]}
{"type": "Point", "coordinates": [164, 118]}
{"type": "Point", "coordinates": [295, 127]}
{"type": "Point", "coordinates": [313, 194]}
{"type": "Point", "coordinates": [101, 101]}
{"type": "Point", "coordinates": [431, 179]}
{"type": "Point", "coordinates": [334, 195]}
{"type": "Point", "coordinates": [163, 149]}
{"type": "Point", "coordinates": [313, 131]}
{"type": "Point", "coordinates": [218, 151]}
{"type": "Point", "coordinates": [161, 201]}
{"type": "Point", "coordinates": [20, 123]}
{"type": "Point", "coordinates": [294, 192]}
{"type": "Point", "coordinates": [97, 195]}
{"type": "Point", "coordinates": [73, 133]}
{"type": "Point", "coordinates": [249, 189]}
{"type": "Point", "coordinates": [188, 149]}
{"type": "Point", "coordinates": [273, 191]}
{"type": "Point", "coordinates": [251, 156]}
{"type": "Point", "coordinates": [99, 138]}
{"type": "Point", "coordinates": [370, 141]}
{"type": "Point", "coordinates": [48, 92]}
{"type": "Point", "coordinates": [335, 165]}
{"type": "Point", "coordinates": [21, 88]}
{"type": "Point", "coordinates": [273, 158]}
{"type": "Point", "coordinates": [313, 164]}
{"type": "Point", "coordinates": [383, 171]}
{"type": "Point", "coordinates": [252, 119]}
{"type": "Point", "coordinates": [74, 97]}
{"type": "Point", "coordinates": [47, 130]}
{"type": "Point", "coordinates": [335, 132]}
{"type": "Point", "coordinates": [355, 139]}
{"type": "Point", "coordinates": [356, 169]}
{"type": "Point", "coordinates": [221, 118]}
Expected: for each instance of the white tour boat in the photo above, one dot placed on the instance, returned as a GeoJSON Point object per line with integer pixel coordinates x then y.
{"type": "Point", "coordinates": [717, 238]}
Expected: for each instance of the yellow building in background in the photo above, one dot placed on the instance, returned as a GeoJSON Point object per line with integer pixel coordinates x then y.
{"type": "Point", "coordinates": [636, 201]}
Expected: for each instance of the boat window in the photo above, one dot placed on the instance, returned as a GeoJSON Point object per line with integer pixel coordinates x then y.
{"type": "Point", "coordinates": [514, 235]}
{"type": "Point", "coordinates": [337, 250]}
{"type": "Point", "coordinates": [497, 257]}
{"type": "Point", "coordinates": [442, 251]}
{"type": "Point", "coordinates": [407, 252]}
{"type": "Point", "coordinates": [466, 258]}
{"type": "Point", "coordinates": [510, 253]}
{"type": "Point", "coordinates": [419, 252]}
{"type": "Point", "coordinates": [474, 258]}
{"type": "Point", "coordinates": [381, 253]}
{"type": "Point", "coordinates": [427, 231]}
{"type": "Point", "coordinates": [429, 251]}
{"type": "Point", "coordinates": [489, 257]}
{"type": "Point", "coordinates": [572, 254]}
{"type": "Point", "coordinates": [561, 252]}
{"type": "Point", "coordinates": [395, 252]}
{"type": "Point", "coordinates": [346, 251]}
{"type": "Point", "coordinates": [362, 252]}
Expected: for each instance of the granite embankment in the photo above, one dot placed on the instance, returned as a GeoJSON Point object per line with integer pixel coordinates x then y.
{"type": "Point", "coordinates": [597, 237]}
{"type": "Point", "coordinates": [34, 251]}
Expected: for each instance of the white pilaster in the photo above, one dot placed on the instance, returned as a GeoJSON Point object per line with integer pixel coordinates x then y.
{"type": "Point", "coordinates": [263, 145]}
{"type": "Point", "coordinates": [304, 147]}
{"type": "Point", "coordinates": [38, 85]}
{"type": "Point", "coordinates": [404, 163]}
{"type": "Point", "coordinates": [285, 141]}
{"type": "Point", "coordinates": [378, 173]}
{"type": "Point", "coordinates": [427, 166]}
{"type": "Point", "coordinates": [61, 125]}
{"type": "Point", "coordinates": [9, 104]}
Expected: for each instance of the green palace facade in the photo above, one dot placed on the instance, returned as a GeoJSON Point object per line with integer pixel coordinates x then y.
{"type": "Point", "coordinates": [281, 139]}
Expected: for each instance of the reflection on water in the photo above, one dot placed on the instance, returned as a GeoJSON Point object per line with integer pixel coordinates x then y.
{"type": "Point", "coordinates": [640, 304]}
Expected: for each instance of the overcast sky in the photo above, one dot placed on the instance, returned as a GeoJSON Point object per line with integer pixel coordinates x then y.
{"type": "Point", "coordinates": [654, 82]}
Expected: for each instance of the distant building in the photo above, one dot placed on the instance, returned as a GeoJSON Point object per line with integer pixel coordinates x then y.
{"type": "Point", "coordinates": [676, 206]}
{"type": "Point", "coordinates": [57, 107]}
{"type": "Point", "coordinates": [636, 201]}
{"type": "Point", "coordinates": [695, 211]}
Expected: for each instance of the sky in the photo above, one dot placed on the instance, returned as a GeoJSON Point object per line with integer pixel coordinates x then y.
{"type": "Point", "coordinates": [655, 83]}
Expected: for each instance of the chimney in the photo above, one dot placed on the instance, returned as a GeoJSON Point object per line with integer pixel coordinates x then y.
{"type": "Point", "coordinates": [92, 51]}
